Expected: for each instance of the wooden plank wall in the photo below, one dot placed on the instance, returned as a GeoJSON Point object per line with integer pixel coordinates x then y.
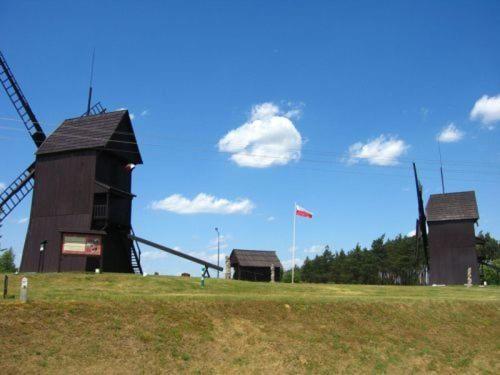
{"type": "Point", "coordinates": [452, 251]}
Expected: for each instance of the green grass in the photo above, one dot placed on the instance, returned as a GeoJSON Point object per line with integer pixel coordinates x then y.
{"type": "Point", "coordinates": [112, 323]}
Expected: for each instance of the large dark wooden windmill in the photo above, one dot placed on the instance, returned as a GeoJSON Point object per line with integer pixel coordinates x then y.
{"type": "Point", "coordinates": [449, 247]}
{"type": "Point", "coordinates": [81, 208]}
{"type": "Point", "coordinates": [82, 201]}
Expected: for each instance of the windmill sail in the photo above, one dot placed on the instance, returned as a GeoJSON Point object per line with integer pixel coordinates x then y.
{"type": "Point", "coordinates": [422, 220]}
{"type": "Point", "coordinates": [20, 103]}
{"type": "Point", "coordinates": [11, 196]}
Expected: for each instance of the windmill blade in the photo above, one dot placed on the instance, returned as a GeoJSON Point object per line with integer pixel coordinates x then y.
{"type": "Point", "coordinates": [16, 191]}
{"type": "Point", "coordinates": [20, 103]}
{"type": "Point", "coordinates": [422, 220]}
{"type": "Point", "coordinates": [96, 109]}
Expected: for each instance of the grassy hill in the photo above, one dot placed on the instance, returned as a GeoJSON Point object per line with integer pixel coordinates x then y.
{"type": "Point", "coordinates": [112, 323]}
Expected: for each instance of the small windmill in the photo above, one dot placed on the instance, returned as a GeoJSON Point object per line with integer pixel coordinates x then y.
{"type": "Point", "coordinates": [14, 193]}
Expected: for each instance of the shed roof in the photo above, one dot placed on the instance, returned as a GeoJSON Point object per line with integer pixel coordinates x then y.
{"type": "Point", "coordinates": [452, 206]}
{"type": "Point", "coordinates": [111, 131]}
{"type": "Point", "coordinates": [255, 258]}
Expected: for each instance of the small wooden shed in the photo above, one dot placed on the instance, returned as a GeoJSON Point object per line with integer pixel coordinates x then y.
{"type": "Point", "coordinates": [451, 218]}
{"type": "Point", "coordinates": [255, 265]}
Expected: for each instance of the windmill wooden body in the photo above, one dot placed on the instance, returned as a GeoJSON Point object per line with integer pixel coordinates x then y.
{"type": "Point", "coordinates": [82, 201]}
{"type": "Point", "coordinates": [452, 240]}
{"type": "Point", "coordinates": [449, 247]}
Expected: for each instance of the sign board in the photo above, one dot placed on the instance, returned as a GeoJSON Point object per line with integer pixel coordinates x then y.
{"type": "Point", "coordinates": [82, 244]}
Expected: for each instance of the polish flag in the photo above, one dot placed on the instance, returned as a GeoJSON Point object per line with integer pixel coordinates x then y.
{"type": "Point", "coordinates": [300, 211]}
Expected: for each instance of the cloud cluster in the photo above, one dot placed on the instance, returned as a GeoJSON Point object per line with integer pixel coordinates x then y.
{"type": "Point", "coordinates": [450, 134]}
{"type": "Point", "coordinates": [315, 249]}
{"type": "Point", "coordinates": [486, 110]}
{"type": "Point", "coordinates": [223, 242]}
{"type": "Point", "coordinates": [203, 203]}
{"type": "Point", "coordinates": [383, 151]}
{"type": "Point", "coordinates": [154, 255]}
{"type": "Point", "coordinates": [267, 139]}
{"type": "Point", "coordinates": [287, 264]}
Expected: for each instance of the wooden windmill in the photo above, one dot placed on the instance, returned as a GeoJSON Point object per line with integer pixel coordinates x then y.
{"type": "Point", "coordinates": [449, 247]}
{"type": "Point", "coordinates": [81, 180]}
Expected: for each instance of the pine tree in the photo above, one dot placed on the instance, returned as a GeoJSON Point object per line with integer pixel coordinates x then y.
{"type": "Point", "coordinates": [7, 261]}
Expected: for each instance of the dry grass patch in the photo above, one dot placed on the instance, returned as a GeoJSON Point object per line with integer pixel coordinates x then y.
{"type": "Point", "coordinates": [125, 324]}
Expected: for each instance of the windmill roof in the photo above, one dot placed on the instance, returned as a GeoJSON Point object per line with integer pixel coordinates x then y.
{"type": "Point", "coordinates": [255, 258]}
{"type": "Point", "coordinates": [452, 206]}
{"type": "Point", "coordinates": [111, 131]}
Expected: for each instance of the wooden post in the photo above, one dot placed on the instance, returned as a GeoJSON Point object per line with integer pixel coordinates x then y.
{"type": "Point", "coordinates": [202, 280]}
{"type": "Point", "coordinates": [228, 268]}
{"type": "Point", "coordinates": [23, 295]}
{"type": "Point", "coordinates": [272, 273]}
{"type": "Point", "coordinates": [5, 286]}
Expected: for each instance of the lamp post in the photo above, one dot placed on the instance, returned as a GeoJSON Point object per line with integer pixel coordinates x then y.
{"type": "Point", "coordinates": [218, 249]}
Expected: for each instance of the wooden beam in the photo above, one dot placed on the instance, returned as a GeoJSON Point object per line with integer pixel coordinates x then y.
{"type": "Point", "coordinates": [175, 252]}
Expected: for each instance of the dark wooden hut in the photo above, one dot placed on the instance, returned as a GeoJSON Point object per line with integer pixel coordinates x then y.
{"type": "Point", "coordinates": [255, 265]}
{"type": "Point", "coordinates": [82, 200]}
{"type": "Point", "coordinates": [451, 218]}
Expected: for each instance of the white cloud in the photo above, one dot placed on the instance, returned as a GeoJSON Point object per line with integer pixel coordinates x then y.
{"type": "Point", "coordinates": [411, 233]}
{"type": "Point", "coordinates": [287, 264]}
{"type": "Point", "coordinates": [154, 255]}
{"type": "Point", "coordinates": [382, 151]}
{"type": "Point", "coordinates": [223, 239]}
{"type": "Point", "coordinates": [203, 203]}
{"type": "Point", "coordinates": [315, 249]}
{"type": "Point", "coordinates": [486, 110]}
{"type": "Point", "coordinates": [22, 220]}
{"type": "Point", "coordinates": [2, 186]}
{"type": "Point", "coordinates": [209, 257]}
{"type": "Point", "coordinates": [450, 134]}
{"type": "Point", "coordinates": [424, 112]}
{"type": "Point", "coordinates": [268, 138]}
{"type": "Point", "coordinates": [145, 112]}
{"type": "Point", "coordinates": [271, 218]}
{"type": "Point", "coordinates": [132, 116]}
{"type": "Point", "coordinates": [213, 258]}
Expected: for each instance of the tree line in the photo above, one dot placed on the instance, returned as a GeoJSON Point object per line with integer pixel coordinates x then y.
{"type": "Point", "coordinates": [387, 261]}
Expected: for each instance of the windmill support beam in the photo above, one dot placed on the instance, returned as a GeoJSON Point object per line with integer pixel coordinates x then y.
{"type": "Point", "coordinates": [175, 252]}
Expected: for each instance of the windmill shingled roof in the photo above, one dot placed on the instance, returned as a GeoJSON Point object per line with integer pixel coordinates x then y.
{"type": "Point", "coordinates": [255, 258]}
{"type": "Point", "coordinates": [90, 132]}
{"type": "Point", "coordinates": [452, 206]}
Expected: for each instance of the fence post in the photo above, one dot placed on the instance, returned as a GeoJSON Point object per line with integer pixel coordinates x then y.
{"type": "Point", "coordinates": [23, 295]}
{"type": "Point", "coordinates": [272, 273]}
{"type": "Point", "coordinates": [5, 286]}
{"type": "Point", "coordinates": [228, 268]}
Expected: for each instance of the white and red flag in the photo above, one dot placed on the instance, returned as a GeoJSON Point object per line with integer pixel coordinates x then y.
{"type": "Point", "coordinates": [301, 211]}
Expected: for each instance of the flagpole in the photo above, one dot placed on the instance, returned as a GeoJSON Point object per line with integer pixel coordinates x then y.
{"type": "Point", "coordinates": [293, 244]}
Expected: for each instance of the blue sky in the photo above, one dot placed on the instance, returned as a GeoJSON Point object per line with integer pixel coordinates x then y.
{"type": "Point", "coordinates": [257, 105]}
